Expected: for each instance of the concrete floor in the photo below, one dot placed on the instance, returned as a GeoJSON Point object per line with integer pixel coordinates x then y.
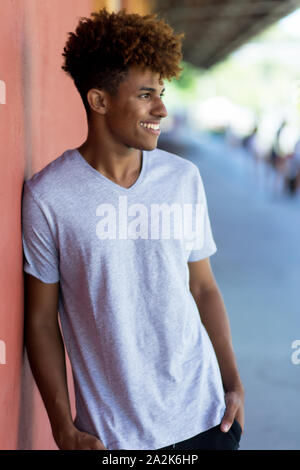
{"type": "Point", "coordinates": [257, 266]}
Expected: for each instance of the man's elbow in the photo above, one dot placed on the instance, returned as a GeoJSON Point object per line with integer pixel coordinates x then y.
{"type": "Point", "coordinates": [200, 290]}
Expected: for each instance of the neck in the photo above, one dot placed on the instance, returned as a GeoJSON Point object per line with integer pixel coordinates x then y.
{"type": "Point", "coordinates": [119, 165]}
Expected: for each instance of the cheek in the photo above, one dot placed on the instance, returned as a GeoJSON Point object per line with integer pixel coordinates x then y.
{"type": "Point", "coordinates": [126, 119]}
{"type": "Point", "coordinates": [116, 122]}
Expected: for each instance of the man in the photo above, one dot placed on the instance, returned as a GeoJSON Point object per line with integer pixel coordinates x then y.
{"type": "Point", "coordinates": [129, 285]}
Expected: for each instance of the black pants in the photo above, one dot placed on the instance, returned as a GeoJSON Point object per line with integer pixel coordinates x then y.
{"type": "Point", "coordinates": [213, 439]}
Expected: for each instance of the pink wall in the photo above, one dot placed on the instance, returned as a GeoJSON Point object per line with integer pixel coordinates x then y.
{"type": "Point", "coordinates": [41, 115]}
{"type": "Point", "coordinates": [12, 170]}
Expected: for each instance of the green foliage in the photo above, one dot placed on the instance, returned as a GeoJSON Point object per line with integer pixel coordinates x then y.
{"type": "Point", "coordinates": [188, 78]}
{"type": "Point", "coordinates": [263, 74]}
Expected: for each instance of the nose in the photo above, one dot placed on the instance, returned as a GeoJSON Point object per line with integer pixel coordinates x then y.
{"type": "Point", "coordinates": [159, 109]}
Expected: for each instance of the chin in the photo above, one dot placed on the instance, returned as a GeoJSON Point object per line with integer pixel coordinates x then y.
{"type": "Point", "coordinates": [148, 146]}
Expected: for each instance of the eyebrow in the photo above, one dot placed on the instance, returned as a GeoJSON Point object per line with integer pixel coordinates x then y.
{"type": "Point", "coordinates": [150, 89]}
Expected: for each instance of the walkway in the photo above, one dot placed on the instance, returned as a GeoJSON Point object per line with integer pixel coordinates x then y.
{"type": "Point", "coordinates": [257, 267]}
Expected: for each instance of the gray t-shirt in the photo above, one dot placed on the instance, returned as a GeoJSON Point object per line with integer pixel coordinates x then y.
{"type": "Point", "coordinates": [145, 372]}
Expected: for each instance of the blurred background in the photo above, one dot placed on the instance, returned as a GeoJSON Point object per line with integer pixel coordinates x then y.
{"type": "Point", "coordinates": [235, 112]}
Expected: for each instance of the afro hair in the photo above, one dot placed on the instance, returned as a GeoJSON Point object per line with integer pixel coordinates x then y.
{"type": "Point", "coordinates": [100, 52]}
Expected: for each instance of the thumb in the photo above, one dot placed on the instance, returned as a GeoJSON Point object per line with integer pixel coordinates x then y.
{"type": "Point", "coordinates": [227, 420]}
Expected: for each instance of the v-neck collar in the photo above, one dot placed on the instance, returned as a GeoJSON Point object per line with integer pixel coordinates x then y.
{"type": "Point", "coordinates": [108, 181]}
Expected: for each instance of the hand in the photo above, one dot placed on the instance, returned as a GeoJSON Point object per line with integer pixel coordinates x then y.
{"type": "Point", "coordinates": [234, 401]}
{"type": "Point", "coordinates": [73, 439]}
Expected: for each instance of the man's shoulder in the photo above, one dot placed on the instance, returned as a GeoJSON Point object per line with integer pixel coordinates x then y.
{"type": "Point", "coordinates": [176, 162]}
{"type": "Point", "coordinates": [51, 177]}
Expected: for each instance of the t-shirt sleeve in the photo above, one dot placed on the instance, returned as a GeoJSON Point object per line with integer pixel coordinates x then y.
{"type": "Point", "coordinates": [203, 244]}
{"type": "Point", "coordinates": [40, 257]}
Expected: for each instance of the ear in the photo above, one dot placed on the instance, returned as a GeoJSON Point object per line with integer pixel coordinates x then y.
{"type": "Point", "coordinates": [98, 100]}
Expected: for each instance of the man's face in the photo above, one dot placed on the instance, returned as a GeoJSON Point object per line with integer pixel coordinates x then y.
{"type": "Point", "coordinates": [135, 112]}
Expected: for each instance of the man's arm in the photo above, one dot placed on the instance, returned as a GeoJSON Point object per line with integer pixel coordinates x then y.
{"type": "Point", "coordinates": [214, 317]}
{"type": "Point", "coordinates": [46, 356]}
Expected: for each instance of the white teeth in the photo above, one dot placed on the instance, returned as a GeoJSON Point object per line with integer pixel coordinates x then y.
{"type": "Point", "coordinates": [150, 126]}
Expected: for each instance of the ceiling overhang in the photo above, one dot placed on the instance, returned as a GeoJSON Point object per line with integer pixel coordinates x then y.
{"type": "Point", "coordinates": [215, 28]}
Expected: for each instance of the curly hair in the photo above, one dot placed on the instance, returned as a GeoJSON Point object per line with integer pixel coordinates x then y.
{"type": "Point", "coordinates": [100, 52]}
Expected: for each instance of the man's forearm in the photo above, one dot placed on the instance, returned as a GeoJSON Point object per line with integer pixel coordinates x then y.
{"type": "Point", "coordinates": [214, 317]}
{"type": "Point", "coordinates": [46, 355]}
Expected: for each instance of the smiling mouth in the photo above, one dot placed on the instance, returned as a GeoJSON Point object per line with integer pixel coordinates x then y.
{"type": "Point", "coordinates": [151, 128]}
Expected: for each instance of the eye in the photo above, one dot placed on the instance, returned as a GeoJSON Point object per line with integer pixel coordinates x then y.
{"type": "Point", "coordinates": [148, 95]}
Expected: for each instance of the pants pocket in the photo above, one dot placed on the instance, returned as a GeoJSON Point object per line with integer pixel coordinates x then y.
{"type": "Point", "coordinates": [236, 432]}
